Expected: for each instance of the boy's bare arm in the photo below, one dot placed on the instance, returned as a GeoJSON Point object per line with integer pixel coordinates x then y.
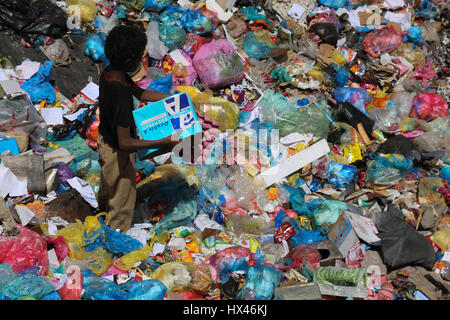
{"type": "Point", "coordinates": [128, 143]}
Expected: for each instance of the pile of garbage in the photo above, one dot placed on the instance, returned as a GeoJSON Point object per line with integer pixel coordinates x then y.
{"type": "Point", "coordinates": [323, 168]}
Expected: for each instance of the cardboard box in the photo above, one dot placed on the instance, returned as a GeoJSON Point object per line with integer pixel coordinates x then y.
{"type": "Point", "coordinates": [161, 119]}
{"type": "Point", "coordinates": [349, 228]}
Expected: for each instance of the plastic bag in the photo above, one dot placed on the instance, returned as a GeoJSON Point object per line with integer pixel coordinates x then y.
{"type": "Point", "coordinates": [236, 27]}
{"type": "Point", "coordinates": [328, 212]}
{"type": "Point", "coordinates": [64, 173]}
{"type": "Point", "coordinates": [26, 250]}
{"type": "Point", "coordinates": [261, 281]}
{"type": "Point", "coordinates": [99, 288]}
{"type": "Point", "coordinates": [162, 85]}
{"type": "Point", "coordinates": [27, 285]}
{"type": "Point", "coordinates": [179, 65]}
{"type": "Point", "coordinates": [194, 21]}
{"type": "Point", "coordinates": [60, 246]}
{"type": "Point", "coordinates": [383, 40]}
{"type": "Point", "coordinates": [307, 236]}
{"type": "Point", "coordinates": [6, 275]}
{"type": "Point", "coordinates": [87, 8]}
{"type": "Point", "coordinates": [389, 169]}
{"type": "Point", "coordinates": [327, 32]}
{"type": "Point", "coordinates": [302, 254]}
{"type": "Point", "coordinates": [172, 35]}
{"type": "Point", "coordinates": [171, 14]}
{"type": "Point", "coordinates": [226, 113]}
{"type": "Point", "coordinates": [57, 52]}
{"type": "Point", "coordinates": [359, 98]}
{"type": "Point", "coordinates": [127, 261]}
{"type": "Point", "coordinates": [193, 44]}
{"type": "Point", "coordinates": [341, 175]}
{"type": "Point", "coordinates": [19, 114]}
{"type": "Point", "coordinates": [285, 116]}
{"type": "Point", "coordinates": [429, 106]}
{"type": "Point", "coordinates": [183, 276]}
{"type": "Point", "coordinates": [308, 47]}
{"type": "Point", "coordinates": [157, 5]}
{"type": "Point", "coordinates": [95, 47]}
{"type": "Point", "coordinates": [442, 239]}
{"type": "Point", "coordinates": [334, 4]}
{"type": "Point", "coordinates": [218, 65]}
{"type": "Point", "coordinates": [30, 18]}
{"type": "Point", "coordinates": [99, 260]}
{"type": "Point", "coordinates": [258, 44]}
{"type": "Point", "coordinates": [145, 290]}
{"type": "Point", "coordinates": [106, 24]}
{"type": "Point", "coordinates": [39, 87]}
{"type": "Point", "coordinates": [155, 47]}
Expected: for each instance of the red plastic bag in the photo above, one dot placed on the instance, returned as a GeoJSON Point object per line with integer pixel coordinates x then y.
{"type": "Point", "coordinates": [61, 247]}
{"type": "Point", "coordinates": [429, 106]}
{"type": "Point", "coordinates": [73, 288]}
{"type": "Point", "coordinates": [26, 250]}
{"type": "Point", "coordinates": [304, 253]}
{"type": "Point", "coordinates": [382, 40]}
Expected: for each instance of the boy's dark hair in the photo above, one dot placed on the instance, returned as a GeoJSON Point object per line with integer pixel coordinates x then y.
{"type": "Point", "coordinates": [124, 43]}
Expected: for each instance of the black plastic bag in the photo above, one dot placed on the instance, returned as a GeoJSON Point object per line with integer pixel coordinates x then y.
{"type": "Point", "coordinates": [327, 32]}
{"type": "Point", "coordinates": [30, 18]}
{"type": "Point", "coordinates": [400, 145]}
{"type": "Point", "coordinates": [401, 244]}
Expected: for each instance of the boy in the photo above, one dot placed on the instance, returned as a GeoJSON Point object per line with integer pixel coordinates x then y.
{"type": "Point", "coordinates": [117, 140]}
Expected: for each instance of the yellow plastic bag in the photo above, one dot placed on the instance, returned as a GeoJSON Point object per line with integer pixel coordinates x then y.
{"type": "Point", "coordinates": [126, 262]}
{"type": "Point", "coordinates": [442, 239]}
{"type": "Point", "coordinates": [91, 223]}
{"type": "Point", "coordinates": [191, 91]}
{"type": "Point", "coordinates": [99, 260]}
{"type": "Point", "coordinates": [87, 9]}
{"type": "Point", "coordinates": [225, 112]}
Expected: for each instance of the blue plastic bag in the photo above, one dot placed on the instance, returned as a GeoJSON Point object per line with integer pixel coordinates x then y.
{"type": "Point", "coordinates": [328, 212]}
{"type": "Point", "coordinates": [414, 35]}
{"type": "Point", "coordinates": [358, 98]}
{"type": "Point", "coordinates": [163, 84]}
{"type": "Point", "coordinates": [194, 21]}
{"type": "Point", "coordinates": [261, 281]}
{"type": "Point", "coordinates": [388, 169]}
{"type": "Point", "coordinates": [342, 74]}
{"type": "Point", "coordinates": [99, 288]}
{"type": "Point", "coordinates": [341, 175]}
{"type": "Point", "coordinates": [146, 290]}
{"type": "Point", "coordinates": [6, 275]}
{"type": "Point", "coordinates": [117, 242]}
{"type": "Point", "coordinates": [307, 236]}
{"type": "Point", "coordinates": [27, 285]}
{"type": "Point", "coordinates": [38, 86]}
{"type": "Point", "coordinates": [252, 14]}
{"type": "Point", "coordinates": [157, 5]}
{"type": "Point", "coordinates": [52, 296]}
{"type": "Point", "coordinates": [172, 35]}
{"type": "Point", "coordinates": [172, 14]}
{"type": "Point", "coordinates": [336, 4]}
{"type": "Point", "coordinates": [257, 49]}
{"type": "Point", "coordinates": [296, 198]}
{"type": "Point", "coordinates": [95, 47]}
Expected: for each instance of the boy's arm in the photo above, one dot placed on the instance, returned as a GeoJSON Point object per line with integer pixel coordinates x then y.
{"type": "Point", "coordinates": [146, 95]}
{"type": "Point", "coordinates": [128, 143]}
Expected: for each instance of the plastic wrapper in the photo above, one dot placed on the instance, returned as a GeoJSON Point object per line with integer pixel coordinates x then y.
{"type": "Point", "coordinates": [95, 47]}
{"type": "Point", "coordinates": [341, 175]}
{"type": "Point", "coordinates": [218, 65]}
{"type": "Point", "coordinates": [145, 290]}
{"type": "Point", "coordinates": [342, 282]}
{"type": "Point", "coordinates": [184, 276]}
{"type": "Point", "coordinates": [429, 106]}
{"type": "Point", "coordinates": [98, 288]}
{"type": "Point", "coordinates": [30, 18]}
{"type": "Point", "coordinates": [27, 285]}
{"type": "Point", "coordinates": [155, 47]}
{"type": "Point", "coordinates": [389, 169]}
{"type": "Point", "coordinates": [39, 87]}
{"type": "Point", "coordinates": [285, 116]}
{"type": "Point", "coordinates": [359, 98]}
{"type": "Point", "coordinates": [26, 250]}
{"type": "Point", "coordinates": [383, 40]}
{"type": "Point", "coordinates": [225, 112]}
{"type": "Point", "coordinates": [172, 35]}
{"type": "Point", "coordinates": [194, 21]}
{"type": "Point", "coordinates": [258, 44]}
{"type": "Point", "coordinates": [157, 5]}
{"type": "Point", "coordinates": [261, 281]}
{"type": "Point", "coordinates": [87, 8]}
{"type": "Point", "coordinates": [21, 115]}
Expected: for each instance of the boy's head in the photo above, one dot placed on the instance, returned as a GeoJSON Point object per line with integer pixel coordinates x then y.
{"type": "Point", "coordinates": [125, 47]}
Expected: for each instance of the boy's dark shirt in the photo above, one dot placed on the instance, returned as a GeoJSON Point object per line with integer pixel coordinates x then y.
{"type": "Point", "coordinates": [116, 106]}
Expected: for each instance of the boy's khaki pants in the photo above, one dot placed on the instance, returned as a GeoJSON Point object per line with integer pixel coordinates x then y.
{"type": "Point", "coordinates": [117, 194]}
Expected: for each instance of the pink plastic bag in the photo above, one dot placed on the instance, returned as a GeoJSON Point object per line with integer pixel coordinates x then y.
{"type": "Point", "coordinates": [60, 246]}
{"type": "Point", "coordinates": [382, 40]}
{"type": "Point", "coordinates": [26, 250]}
{"type": "Point", "coordinates": [218, 65]}
{"type": "Point", "coordinates": [429, 106]}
